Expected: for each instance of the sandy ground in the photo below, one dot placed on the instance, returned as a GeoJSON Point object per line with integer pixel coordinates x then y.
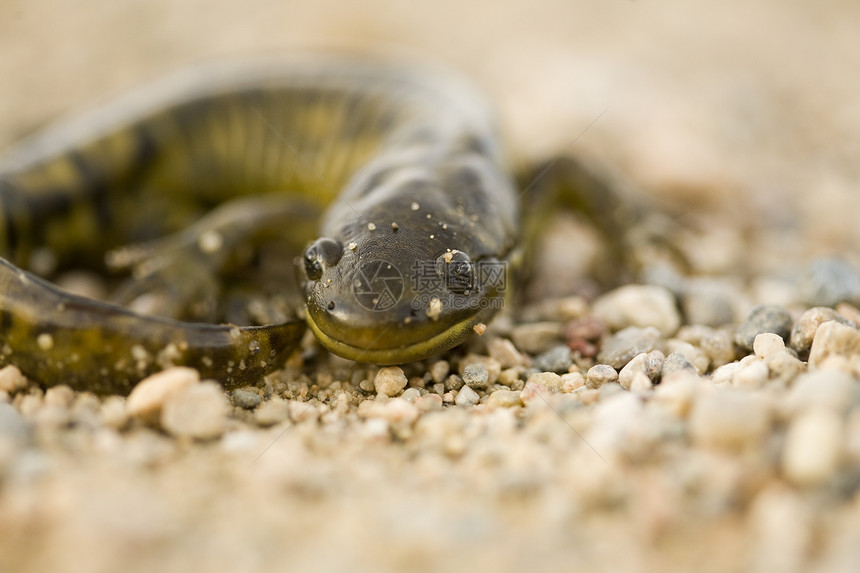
{"type": "Point", "coordinates": [743, 119]}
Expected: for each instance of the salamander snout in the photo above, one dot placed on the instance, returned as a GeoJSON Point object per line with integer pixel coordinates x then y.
{"type": "Point", "coordinates": [322, 254]}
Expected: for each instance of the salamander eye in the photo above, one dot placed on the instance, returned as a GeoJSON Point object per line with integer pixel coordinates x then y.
{"type": "Point", "coordinates": [323, 253]}
{"type": "Point", "coordinates": [456, 268]}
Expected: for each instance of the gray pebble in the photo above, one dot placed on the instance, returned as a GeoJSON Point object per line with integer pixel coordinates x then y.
{"type": "Point", "coordinates": [805, 327]}
{"type": "Point", "coordinates": [675, 362]}
{"type": "Point", "coordinates": [453, 383]}
{"type": "Point", "coordinates": [763, 318]}
{"type": "Point", "coordinates": [827, 282]}
{"type": "Point", "coordinates": [536, 337]}
{"type": "Point", "coordinates": [245, 399]}
{"type": "Point", "coordinates": [476, 376]}
{"type": "Point", "coordinates": [556, 360]}
{"type": "Point", "coordinates": [709, 302]}
{"type": "Point", "coordinates": [621, 347]}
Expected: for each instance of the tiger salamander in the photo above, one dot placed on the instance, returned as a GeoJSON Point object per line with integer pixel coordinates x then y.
{"type": "Point", "coordinates": [419, 217]}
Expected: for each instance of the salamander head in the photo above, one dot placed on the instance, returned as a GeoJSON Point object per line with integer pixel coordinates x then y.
{"type": "Point", "coordinates": [391, 296]}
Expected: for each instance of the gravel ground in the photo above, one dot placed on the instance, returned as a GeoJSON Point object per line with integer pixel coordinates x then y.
{"type": "Point", "coordinates": [707, 419]}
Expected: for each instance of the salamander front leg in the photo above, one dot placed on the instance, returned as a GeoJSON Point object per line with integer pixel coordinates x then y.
{"type": "Point", "coordinates": [188, 274]}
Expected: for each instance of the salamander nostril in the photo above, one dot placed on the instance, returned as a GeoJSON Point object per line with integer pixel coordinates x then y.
{"type": "Point", "coordinates": [331, 305]}
{"type": "Point", "coordinates": [322, 254]}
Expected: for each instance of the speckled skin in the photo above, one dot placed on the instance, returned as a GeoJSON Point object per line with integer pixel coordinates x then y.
{"type": "Point", "coordinates": [406, 162]}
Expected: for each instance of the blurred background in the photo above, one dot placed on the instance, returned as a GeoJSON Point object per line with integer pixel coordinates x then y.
{"type": "Point", "coordinates": [749, 110]}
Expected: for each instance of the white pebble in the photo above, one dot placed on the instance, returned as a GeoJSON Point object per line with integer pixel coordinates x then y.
{"type": "Point", "coordinates": [390, 381]}
{"type": "Point", "coordinates": [11, 379]}
{"type": "Point", "coordinates": [725, 373]}
{"type": "Point", "coordinates": [640, 383]}
{"type": "Point", "coordinates": [600, 374]}
{"type": "Point", "coordinates": [822, 388]}
{"type": "Point", "coordinates": [550, 380]}
{"type": "Point", "coordinates": [571, 381]}
{"type": "Point", "coordinates": [198, 411]}
{"type": "Point", "coordinates": [272, 411]}
{"type": "Point", "coordinates": [751, 375]}
{"type": "Point", "coordinates": [768, 343]}
{"type": "Point", "coordinates": [504, 399]}
{"type": "Point", "coordinates": [813, 447]}
{"type": "Point", "coordinates": [147, 398]}
{"type": "Point", "coordinates": [466, 397]}
{"type": "Point", "coordinates": [639, 305]}
{"type": "Point", "coordinates": [833, 339]}
{"type": "Point", "coordinates": [677, 391]}
{"type": "Point", "coordinates": [729, 418]}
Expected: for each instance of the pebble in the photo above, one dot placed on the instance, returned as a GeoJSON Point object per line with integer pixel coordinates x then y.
{"type": "Point", "coordinates": [767, 343]}
{"type": "Point", "coordinates": [813, 447]}
{"type": "Point", "coordinates": [147, 398]}
{"type": "Point", "coordinates": [11, 379]}
{"type": "Point", "coordinates": [827, 282]}
{"type": "Point", "coordinates": [113, 412]}
{"type": "Point", "coordinates": [411, 394]}
{"type": "Point", "coordinates": [245, 399]}
{"type": "Point", "coordinates": [572, 381]}
{"type": "Point", "coordinates": [693, 355]}
{"type": "Point", "coordinates": [763, 318]}
{"type": "Point", "coordinates": [718, 347]}
{"type": "Point", "coordinates": [780, 532]}
{"type": "Point", "coordinates": [536, 337]}
{"type": "Point", "coordinates": [831, 389]}
{"type": "Point", "coordinates": [550, 380]}
{"type": "Point", "coordinates": [834, 339]}
{"type": "Point", "coordinates": [649, 364]}
{"type": "Point", "coordinates": [504, 399]}
{"type": "Point", "coordinates": [729, 419]}
{"type": "Point", "coordinates": [557, 360]}
{"type": "Point", "coordinates": [751, 375]}
{"type": "Point", "coordinates": [439, 371]}
{"type": "Point", "coordinates": [510, 377]}
{"type": "Point", "coordinates": [493, 366]}
{"type": "Point", "coordinates": [804, 329]}
{"type": "Point", "coordinates": [677, 392]}
{"type": "Point", "coordinates": [600, 374]}
{"type": "Point", "coordinates": [639, 305]}
{"type": "Point", "coordinates": [198, 411]}
{"type": "Point", "coordinates": [621, 347]}
{"type": "Point", "coordinates": [476, 376]}
{"type": "Point", "coordinates": [61, 396]}
{"type": "Point", "coordinates": [466, 397]}
{"type": "Point", "coordinates": [676, 362]}
{"type": "Point", "coordinates": [708, 302]}
{"type": "Point", "coordinates": [583, 334]}
{"type": "Point", "coordinates": [272, 411]}
{"type": "Point", "coordinates": [453, 383]}
{"type": "Point", "coordinates": [390, 381]}
{"type": "Point", "coordinates": [784, 366]}
{"type": "Point", "coordinates": [640, 383]}
{"type": "Point", "coordinates": [429, 402]}
{"type": "Point", "coordinates": [15, 431]}
{"type": "Point", "coordinates": [504, 351]}
{"type": "Point", "coordinates": [725, 373]}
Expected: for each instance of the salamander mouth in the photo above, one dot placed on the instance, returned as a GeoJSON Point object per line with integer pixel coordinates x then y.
{"type": "Point", "coordinates": [430, 346]}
